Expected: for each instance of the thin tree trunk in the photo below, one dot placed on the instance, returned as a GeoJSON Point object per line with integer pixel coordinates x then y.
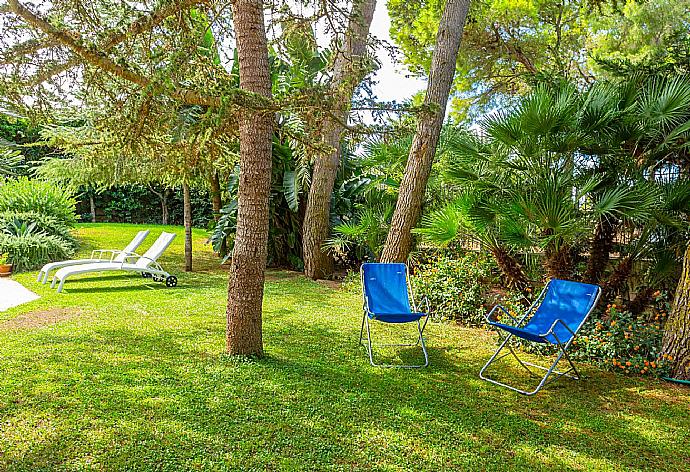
{"type": "Point", "coordinates": [615, 283]}
{"type": "Point", "coordinates": [676, 341]}
{"type": "Point", "coordinates": [246, 281]}
{"type": "Point", "coordinates": [511, 268]}
{"type": "Point", "coordinates": [165, 213]}
{"type": "Point", "coordinates": [421, 157]}
{"type": "Point", "coordinates": [600, 249]}
{"type": "Point", "coordinates": [163, 197]}
{"type": "Point", "coordinates": [92, 204]}
{"type": "Point", "coordinates": [215, 195]}
{"type": "Point", "coordinates": [349, 68]}
{"type": "Point", "coordinates": [187, 205]}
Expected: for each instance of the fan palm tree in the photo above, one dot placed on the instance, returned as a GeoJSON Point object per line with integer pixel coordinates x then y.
{"type": "Point", "coordinates": [534, 185]}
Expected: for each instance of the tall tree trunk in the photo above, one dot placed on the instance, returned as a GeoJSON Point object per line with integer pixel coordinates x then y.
{"type": "Point", "coordinates": [215, 195]}
{"type": "Point", "coordinates": [246, 281]}
{"type": "Point", "coordinates": [349, 68]}
{"type": "Point", "coordinates": [600, 249]}
{"type": "Point", "coordinates": [676, 341]}
{"type": "Point", "coordinates": [409, 204]}
{"type": "Point", "coordinates": [92, 205]}
{"type": "Point", "coordinates": [165, 213]}
{"type": "Point", "coordinates": [187, 207]}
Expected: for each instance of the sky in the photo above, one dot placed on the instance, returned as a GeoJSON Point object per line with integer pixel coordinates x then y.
{"type": "Point", "coordinates": [394, 82]}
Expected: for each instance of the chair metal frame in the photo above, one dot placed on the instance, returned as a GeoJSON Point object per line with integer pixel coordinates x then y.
{"type": "Point", "coordinates": [562, 347]}
{"type": "Point", "coordinates": [420, 327]}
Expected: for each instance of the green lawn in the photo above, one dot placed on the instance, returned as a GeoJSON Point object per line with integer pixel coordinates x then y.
{"type": "Point", "coordinates": [119, 373]}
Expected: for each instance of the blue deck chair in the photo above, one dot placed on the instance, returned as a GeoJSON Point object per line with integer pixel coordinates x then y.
{"type": "Point", "coordinates": [388, 298]}
{"type": "Point", "coordinates": [558, 313]}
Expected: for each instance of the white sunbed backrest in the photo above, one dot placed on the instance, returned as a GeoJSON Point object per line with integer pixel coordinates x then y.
{"type": "Point", "coordinates": [132, 246]}
{"type": "Point", "coordinates": [156, 249]}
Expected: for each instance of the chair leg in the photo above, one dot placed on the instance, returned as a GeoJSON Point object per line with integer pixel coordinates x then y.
{"type": "Point", "coordinates": [420, 328]}
{"type": "Point", "coordinates": [420, 340]}
{"type": "Point", "coordinates": [546, 379]}
{"type": "Point", "coordinates": [361, 330]}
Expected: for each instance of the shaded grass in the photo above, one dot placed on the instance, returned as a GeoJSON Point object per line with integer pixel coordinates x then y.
{"type": "Point", "coordinates": [138, 381]}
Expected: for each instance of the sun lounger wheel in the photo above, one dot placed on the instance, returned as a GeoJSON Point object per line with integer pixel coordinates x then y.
{"type": "Point", "coordinates": [146, 275]}
{"type": "Point", "coordinates": [171, 281]}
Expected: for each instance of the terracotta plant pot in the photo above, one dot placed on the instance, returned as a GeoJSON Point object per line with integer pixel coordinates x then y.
{"type": "Point", "coordinates": [5, 270]}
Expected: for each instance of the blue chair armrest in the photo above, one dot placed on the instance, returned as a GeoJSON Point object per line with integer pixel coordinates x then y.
{"type": "Point", "coordinates": [553, 326]}
{"type": "Point", "coordinates": [504, 310]}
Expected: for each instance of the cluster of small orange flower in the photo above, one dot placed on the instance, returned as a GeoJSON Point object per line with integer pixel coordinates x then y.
{"type": "Point", "coordinates": [638, 366]}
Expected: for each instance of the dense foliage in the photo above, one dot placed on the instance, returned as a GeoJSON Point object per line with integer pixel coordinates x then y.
{"type": "Point", "coordinates": [28, 195]}
{"type": "Point", "coordinates": [568, 177]}
{"type": "Point", "coordinates": [456, 286]}
{"type": "Point", "coordinates": [12, 221]}
{"type": "Point", "coordinates": [143, 204]}
{"type": "Point", "coordinates": [35, 222]}
{"type": "Point", "coordinates": [509, 45]}
{"type": "Point", "coordinates": [31, 250]}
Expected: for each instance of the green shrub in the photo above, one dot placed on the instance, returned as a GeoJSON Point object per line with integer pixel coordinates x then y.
{"type": "Point", "coordinates": [456, 287]}
{"type": "Point", "coordinates": [43, 224]}
{"type": "Point", "coordinates": [26, 195]}
{"type": "Point", "coordinates": [617, 340]}
{"type": "Point", "coordinates": [32, 250]}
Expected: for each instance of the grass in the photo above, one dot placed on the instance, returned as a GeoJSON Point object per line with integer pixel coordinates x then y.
{"type": "Point", "coordinates": [121, 373]}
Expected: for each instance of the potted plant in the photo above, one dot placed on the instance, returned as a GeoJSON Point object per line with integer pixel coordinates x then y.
{"type": "Point", "coordinates": [5, 266]}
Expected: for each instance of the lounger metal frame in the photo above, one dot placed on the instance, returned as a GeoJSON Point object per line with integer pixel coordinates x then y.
{"type": "Point", "coordinates": [97, 255]}
{"type": "Point", "coordinates": [154, 269]}
{"type": "Point", "coordinates": [561, 347]}
{"type": "Point", "coordinates": [420, 326]}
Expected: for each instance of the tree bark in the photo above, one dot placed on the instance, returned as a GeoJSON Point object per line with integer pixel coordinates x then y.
{"type": "Point", "coordinates": [615, 283]}
{"type": "Point", "coordinates": [600, 249]}
{"type": "Point", "coordinates": [676, 341]}
{"type": "Point", "coordinates": [559, 263]}
{"type": "Point", "coordinates": [246, 281]}
{"type": "Point", "coordinates": [187, 207]}
{"type": "Point", "coordinates": [92, 205]}
{"type": "Point", "coordinates": [421, 156]}
{"type": "Point", "coordinates": [163, 197]}
{"type": "Point", "coordinates": [511, 268]}
{"type": "Point", "coordinates": [215, 195]}
{"type": "Point", "coordinates": [349, 68]}
{"type": "Point", "coordinates": [165, 213]}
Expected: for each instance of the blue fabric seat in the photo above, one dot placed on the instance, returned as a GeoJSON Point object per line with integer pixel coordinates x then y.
{"type": "Point", "coordinates": [554, 318]}
{"type": "Point", "coordinates": [569, 302]}
{"type": "Point", "coordinates": [396, 317]}
{"type": "Point", "coordinates": [387, 299]}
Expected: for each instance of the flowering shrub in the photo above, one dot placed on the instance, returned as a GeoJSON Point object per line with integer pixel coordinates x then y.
{"type": "Point", "coordinates": [617, 340]}
{"type": "Point", "coordinates": [456, 287]}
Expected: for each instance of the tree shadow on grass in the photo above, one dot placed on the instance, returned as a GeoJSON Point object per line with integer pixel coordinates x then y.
{"type": "Point", "coordinates": [144, 399]}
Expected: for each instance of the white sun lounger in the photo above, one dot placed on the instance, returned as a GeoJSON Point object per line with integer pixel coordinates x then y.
{"type": "Point", "coordinates": [97, 255]}
{"type": "Point", "coordinates": [146, 265]}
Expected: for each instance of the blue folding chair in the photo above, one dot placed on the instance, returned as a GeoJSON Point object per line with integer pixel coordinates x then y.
{"type": "Point", "coordinates": [387, 295]}
{"type": "Point", "coordinates": [557, 315]}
